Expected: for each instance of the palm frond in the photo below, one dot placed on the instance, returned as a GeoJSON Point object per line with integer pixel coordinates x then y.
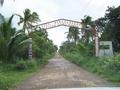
{"type": "Point", "coordinates": [12, 39]}
{"type": "Point", "coordinates": [26, 41]}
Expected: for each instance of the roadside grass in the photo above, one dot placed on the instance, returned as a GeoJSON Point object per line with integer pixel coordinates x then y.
{"type": "Point", "coordinates": [10, 76]}
{"type": "Point", "coordinates": [106, 67]}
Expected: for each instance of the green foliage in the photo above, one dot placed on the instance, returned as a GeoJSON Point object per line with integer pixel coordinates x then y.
{"type": "Point", "coordinates": [27, 20]}
{"type": "Point", "coordinates": [14, 46]}
{"type": "Point", "coordinates": [87, 35]}
{"type": "Point", "coordinates": [113, 63]}
{"type": "Point", "coordinates": [5, 34]}
{"type": "Point", "coordinates": [21, 65]}
{"type": "Point", "coordinates": [27, 64]}
{"type": "Point", "coordinates": [42, 46]}
{"type": "Point", "coordinates": [13, 74]}
{"type": "Point", "coordinates": [112, 27]}
{"type": "Point", "coordinates": [73, 34]}
{"type": "Point", "coordinates": [4, 83]}
{"type": "Point", "coordinates": [32, 64]}
{"type": "Point", "coordinates": [14, 43]}
{"type": "Point", "coordinates": [87, 21]}
{"type": "Point", "coordinates": [9, 76]}
{"type": "Point", "coordinates": [107, 67]}
{"type": "Point", "coordinates": [80, 47]}
{"type": "Point", "coordinates": [82, 54]}
{"type": "Point", "coordinates": [10, 40]}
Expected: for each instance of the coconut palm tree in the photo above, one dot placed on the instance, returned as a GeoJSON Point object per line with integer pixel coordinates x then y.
{"type": "Point", "coordinates": [28, 19]}
{"type": "Point", "coordinates": [70, 34]}
{"type": "Point", "coordinates": [87, 21]}
{"type": "Point", "coordinates": [9, 42]}
{"type": "Point", "coordinates": [5, 33]}
{"type": "Point", "coordinates": [73, 34]}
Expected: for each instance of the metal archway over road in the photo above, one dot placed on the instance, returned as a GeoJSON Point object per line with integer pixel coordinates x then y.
{"type": "Point", "coordinates": [59, 22]}
{"type": "Point", "coordinates": [69, 23]}
{"type": "Point", "coordinates": [53, 24]}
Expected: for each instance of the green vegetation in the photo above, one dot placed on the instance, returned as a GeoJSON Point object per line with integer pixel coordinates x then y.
{"type": "Point", "coordinates": [110, 25]}
{"type": "Point", "coordinates": [82, 51]}
{"type": "Point", "coordinates": [15, 46]}
{"type": "Point", "coordinates": [73, 34]}
{"type": "Point", "coordinates": [108, 68]}
{"type": "Point", "coordinates": [13, 74]}
{"type": "Point", "coordinates": [82, 55]}
{"type": "Point", "coordinates": [15, 66]}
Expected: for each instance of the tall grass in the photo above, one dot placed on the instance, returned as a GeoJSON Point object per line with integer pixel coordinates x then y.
{"type": "Point", "coordinates": [13, 74]}
{"type": "Point", "coordinates": [107, 67]}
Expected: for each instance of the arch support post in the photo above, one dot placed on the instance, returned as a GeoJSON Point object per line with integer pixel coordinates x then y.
{"type": "Point", "coordinates": [30, 49]}
{"type": "Point", "coordinates": [96, 46]}
{"type": "Point", "coordinates": [96, 42]}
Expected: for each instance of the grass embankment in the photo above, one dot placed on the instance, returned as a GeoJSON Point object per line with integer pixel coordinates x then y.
{"type": "Point", "coordinates": [108, 68]}
{"type": "Point", "coordinates": [13, 74]}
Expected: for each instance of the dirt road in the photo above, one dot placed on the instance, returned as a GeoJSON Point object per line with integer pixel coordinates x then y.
{"type": "Point", "coordinates": [60, 73]}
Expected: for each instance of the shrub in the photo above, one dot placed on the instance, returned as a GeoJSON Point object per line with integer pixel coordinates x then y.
{"type": "Point", "coordinates": [32, 64]}
{"type": "Point", "coordinates": [21, 65]}
{"type": "Point", "coordinates": [109, 67]}
{"type": "Point", "coordinates": [4, 83]}
{"type": "Point", "coordinates": [42, 62]}
{"type": "Point", "coordinates": [113, 63]}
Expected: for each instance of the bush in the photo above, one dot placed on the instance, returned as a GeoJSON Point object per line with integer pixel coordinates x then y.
{"type": "Point", "coordinates": [4, 83]}
{"type": "Point", "coordinates": [108, 67]}
{"type": "Point", "coordinates": [32, 64]}
{"type": "Point", "coordinates": [113, 64]}
{"type": "Point", "coordinates": [21, 65]}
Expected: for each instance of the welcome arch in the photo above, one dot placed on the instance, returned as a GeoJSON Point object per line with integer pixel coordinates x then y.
{"type": "Point", "coordinates": [68, 23]}
{"type": "Point", "coordinates": [59, 22]}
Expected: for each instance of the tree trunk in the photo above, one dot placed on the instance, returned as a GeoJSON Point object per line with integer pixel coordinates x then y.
{"type": "Point", "coordinates": [30, 49]}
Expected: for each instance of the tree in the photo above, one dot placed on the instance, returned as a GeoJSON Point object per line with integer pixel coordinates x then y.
{"type": "Point", "coordinates": [67, 46]}
{"type": "Point", "coordinates": [73, 34]}
{"type": "Point", "coordinates": [9, 42]}
{"type": "Point", "coordinates": [87, 33]}
{"type": "Point", "coordinates": [27, 20]}
{"type": "Point", "coordinates": [112, 28]}
{"type": "Point", "coordinates": [42, 46]}
{"type": "Point", "coordinates": [87, 20]}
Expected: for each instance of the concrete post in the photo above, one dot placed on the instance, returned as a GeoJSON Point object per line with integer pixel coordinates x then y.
{"type": "Point", "coordinates": [96, 46]}
{"type": "Point", "coordinates": [30, 49]}
{"type": "Point", "coordinates": [96, 42]}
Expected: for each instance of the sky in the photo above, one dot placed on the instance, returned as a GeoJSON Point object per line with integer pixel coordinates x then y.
{"type": "Point", "coordinates": [49, 10]}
